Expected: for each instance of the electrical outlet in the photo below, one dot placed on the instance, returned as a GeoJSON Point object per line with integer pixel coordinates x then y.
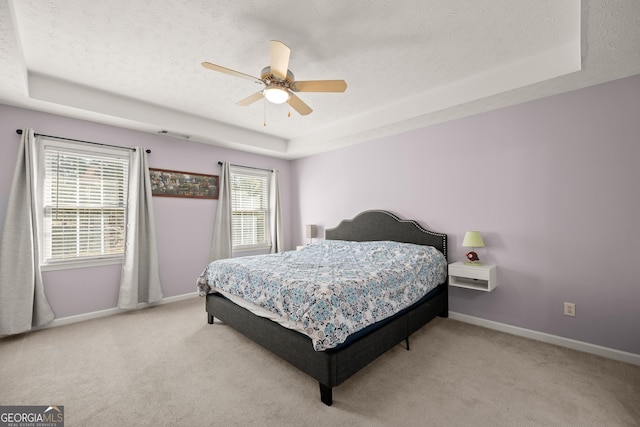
{"type": "Point", "coordinates": [569, 309]}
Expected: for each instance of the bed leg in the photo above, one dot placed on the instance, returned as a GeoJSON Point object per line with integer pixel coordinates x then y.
{"type": "Point", "coordinates": [406, 340]}
{"type": "Point", "coordinates": [210, 319]}
{"type": "Point", "coordinates": [326, 394]}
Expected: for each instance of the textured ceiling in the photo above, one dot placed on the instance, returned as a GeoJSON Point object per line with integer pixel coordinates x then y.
{"type": "Point", "coordinates": [408, 63]}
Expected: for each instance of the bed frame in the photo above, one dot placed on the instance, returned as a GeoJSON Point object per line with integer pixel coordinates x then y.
{"type": "Point", "coordinates": [331, 367]}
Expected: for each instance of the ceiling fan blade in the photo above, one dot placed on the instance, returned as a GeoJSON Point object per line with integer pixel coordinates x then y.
{"type": "Point", "coordinates": [279, 53]}
{"type": "Point", "coordinates": [320, 86]}
{"type": "Point", "coordinates": [250, 99]}
{"type": "Point", "coordinates": [298, 105]}
{"type": "Point", "coordinates": [229, 71]}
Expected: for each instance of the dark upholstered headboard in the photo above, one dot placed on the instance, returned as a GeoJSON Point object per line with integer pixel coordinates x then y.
{"type": "Point", "coordinates": [376, 225]}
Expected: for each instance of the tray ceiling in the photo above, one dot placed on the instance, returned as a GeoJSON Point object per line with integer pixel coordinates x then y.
{"type": "Point", "coordinates": [408, 64]}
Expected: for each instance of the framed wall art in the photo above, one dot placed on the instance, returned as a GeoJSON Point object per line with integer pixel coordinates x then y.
{"type": "Point", "coordinates": [170, 183]}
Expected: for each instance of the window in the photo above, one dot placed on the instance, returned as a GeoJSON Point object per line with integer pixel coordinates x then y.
{"type": "Point", "coordinates": [250, 208]}
{"type": "Point", "coordinates": [84, 195]}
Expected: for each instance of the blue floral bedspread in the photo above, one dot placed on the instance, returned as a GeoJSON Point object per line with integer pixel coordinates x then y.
{"type": "Point", "coordinates": [331, 288]}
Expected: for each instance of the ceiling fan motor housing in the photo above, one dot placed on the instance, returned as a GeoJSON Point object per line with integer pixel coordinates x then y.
{"type": "Point", "coordinates": [270, 80]}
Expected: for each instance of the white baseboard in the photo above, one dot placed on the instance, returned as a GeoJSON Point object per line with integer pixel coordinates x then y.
{"type": "Point", "coordinates": [111, 311]}
{"type": "Point", "coordinates": [610, 353]}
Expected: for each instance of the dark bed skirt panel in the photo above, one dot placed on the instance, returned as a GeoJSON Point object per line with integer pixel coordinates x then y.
{"type": "Point", "coordinates": [331, 367]}
{"type": "Point", "coordinates": [292, 346]}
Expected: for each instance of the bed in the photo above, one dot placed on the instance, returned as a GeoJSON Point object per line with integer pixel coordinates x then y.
{"type": "Point", "coordinates": [332, 366]}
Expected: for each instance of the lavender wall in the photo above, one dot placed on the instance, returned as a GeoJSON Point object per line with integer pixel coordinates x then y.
{"type": "Point", "coordinates": [552, 185]}
{"type": "Point", "coordinates": [184, 226]}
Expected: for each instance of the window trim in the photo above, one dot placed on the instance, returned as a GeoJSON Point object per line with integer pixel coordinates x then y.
{"type": "Point", "coordinates": [78, 148]}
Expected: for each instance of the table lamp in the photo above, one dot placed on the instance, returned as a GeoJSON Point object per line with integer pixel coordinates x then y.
{"type": "Point", "coordinates": [311, 232]}
{"type": "Point", "coordinates": [472, 239]}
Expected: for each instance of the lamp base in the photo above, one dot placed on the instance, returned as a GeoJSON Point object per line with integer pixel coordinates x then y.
{"type": "Point", "coordinates": [472, 259]}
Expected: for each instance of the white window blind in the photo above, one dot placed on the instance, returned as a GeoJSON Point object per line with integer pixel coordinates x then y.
{"type": "Point", "coordinates": [84, 203]}
{"type": "Point", "coordinates": [250, 208]}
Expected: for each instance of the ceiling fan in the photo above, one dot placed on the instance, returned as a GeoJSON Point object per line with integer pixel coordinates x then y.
{"type": "Point", "coordinates": [279, 83]}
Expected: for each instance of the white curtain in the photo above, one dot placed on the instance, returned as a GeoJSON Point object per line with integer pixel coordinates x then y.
{"type": "Point", "coordinates": [23, 303]}
{"type": "Point", "coordinates": [275, 213]}
{"type": "Point", "coordinates": [222, 241]}
{"type": "Point", "coordinates": [140, 278]}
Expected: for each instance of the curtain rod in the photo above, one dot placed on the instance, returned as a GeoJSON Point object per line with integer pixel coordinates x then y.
{"type": "Point", "coordinates": [248, 167]}
{"type": "Point", "coordinates": [19, 132]}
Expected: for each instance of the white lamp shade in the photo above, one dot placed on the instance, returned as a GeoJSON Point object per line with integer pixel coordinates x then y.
{"type": "Point", "coordinates": [276, 95]}
{"type": "Point", "coordinates": [311, 231]}
{"type": "Point", "coordinates": [472, 239]}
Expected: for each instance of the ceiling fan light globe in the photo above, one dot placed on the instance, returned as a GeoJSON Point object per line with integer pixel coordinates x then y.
{"type": "Point", "coordinates": [276, 95]}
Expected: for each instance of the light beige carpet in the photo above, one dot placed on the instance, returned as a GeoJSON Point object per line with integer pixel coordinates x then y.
{"type": "Point", "coordinates": [165, 366]}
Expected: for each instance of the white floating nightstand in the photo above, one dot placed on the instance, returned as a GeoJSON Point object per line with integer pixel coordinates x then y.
{"type": "Point", "coordinates": [478, 277]}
